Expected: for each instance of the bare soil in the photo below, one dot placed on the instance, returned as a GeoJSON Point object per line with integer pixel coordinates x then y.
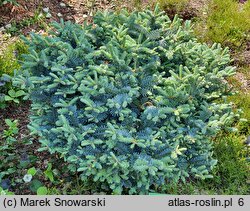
{"type": "Point", "coordinates": [27, 9]}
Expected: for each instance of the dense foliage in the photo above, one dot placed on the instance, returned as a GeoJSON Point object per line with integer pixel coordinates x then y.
{"type": "Point", "coordinates": [130, 101]}
{"type": "Point", "coordinates": [9, 62]}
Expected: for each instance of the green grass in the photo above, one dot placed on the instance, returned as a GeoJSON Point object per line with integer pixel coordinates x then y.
{"type": "Point", "coordinates": [228, 23]}
{"type": "Point", "coordinates": [231, 174]}
{"type": "Point", "coordinates": [242, 100]}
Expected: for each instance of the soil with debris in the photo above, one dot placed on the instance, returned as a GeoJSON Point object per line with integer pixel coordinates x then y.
{"type": "Point", "coordinates": [244, 82]}
{"type": "Point", "coordinates": [53, 10]}
{"type": "Point", "coordinates": [18, 112]}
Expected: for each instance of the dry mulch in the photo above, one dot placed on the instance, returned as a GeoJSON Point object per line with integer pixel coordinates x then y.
{"type": "Point", "coordinates": [28, 9]}
{"type": "Point", "coordinates": [74, 10]}
{"type": "Point", "coordinates": [85, 9]}
{"type": "Point", "coordinates": [244, 82]}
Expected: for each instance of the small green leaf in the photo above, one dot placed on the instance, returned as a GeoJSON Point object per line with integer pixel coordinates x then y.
{"type": "Point", "coordinates": [12, 93]}
{"type": "Point", "coordinates": [49, 175]}
{"type": "Point", "coordinates": [35, 184]}
{"type": "Point", "coordinates": [8, 98]}
{"type": "Point", "coordinates": [32, 171]}
{"type": "Point", "coordinates": [16, 101]}
{"type": "Point", "coordinates": [42, 191]}
{"type": "Point", "coordinates": [20, 93]}
{"type": "Point", "coordinates": [8, 122]}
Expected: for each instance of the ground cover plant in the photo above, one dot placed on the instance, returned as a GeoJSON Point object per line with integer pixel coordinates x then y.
{"type": "Point", "coordinates": [9, 61]}
{"type": "Point", "coordinates": [131, 101]}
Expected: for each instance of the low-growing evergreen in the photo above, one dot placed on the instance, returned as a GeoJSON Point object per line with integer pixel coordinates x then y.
{"type": "Point", "coordinates": [130, 101]}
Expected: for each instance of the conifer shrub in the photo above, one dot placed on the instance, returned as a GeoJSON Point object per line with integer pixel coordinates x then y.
{"type": "Point", "coordinates": [130, 101]}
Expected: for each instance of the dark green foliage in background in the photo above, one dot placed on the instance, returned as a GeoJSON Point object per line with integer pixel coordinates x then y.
{"type": "Point", "coordinates": [130, 101]}
{"type": "Point", "coordinates": [9, 62]}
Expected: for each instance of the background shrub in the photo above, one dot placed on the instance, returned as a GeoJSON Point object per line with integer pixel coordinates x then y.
{"type": "Point", "coordinates": [180, 7]}
{"type": "Point", "coordinates": [9, 62]}
{"type": "Point", "coordinates": [9, 58]}
{"type": "Point", "coordinates": [129, 102]}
